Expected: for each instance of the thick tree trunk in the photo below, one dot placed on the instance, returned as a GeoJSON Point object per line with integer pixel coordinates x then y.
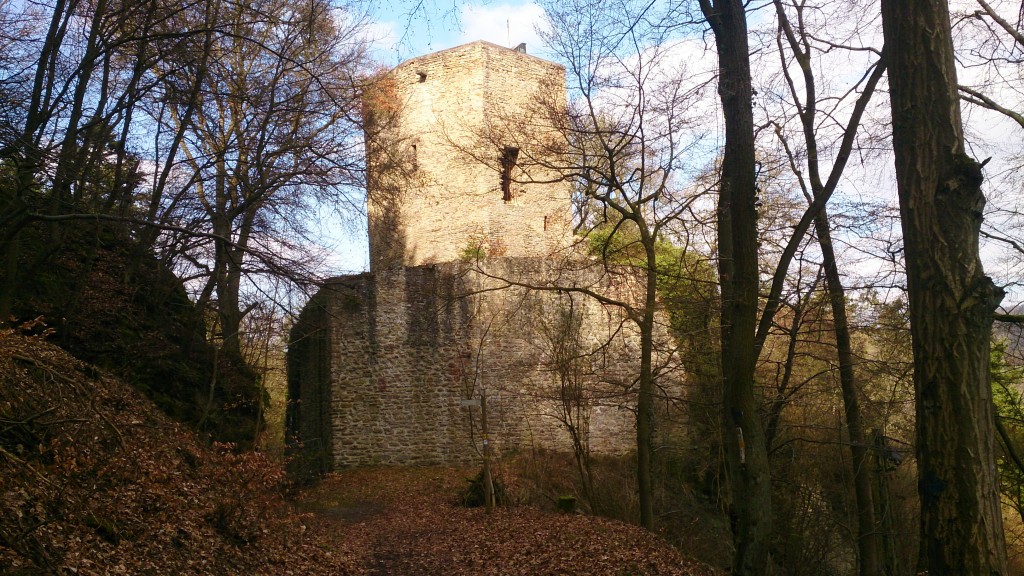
{"type": "Point", "coordinates": [951, 299]}
{"type": "Point", "coordinates": [746, 454]}
{"type": "Point", "coordinates": [645, 396]}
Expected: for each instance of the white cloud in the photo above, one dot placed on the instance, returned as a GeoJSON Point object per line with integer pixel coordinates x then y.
{"type": "Point", "coordinates": [383, 38]}
{"type": "Point", "coordinates": [503, 24]}
{"type": "Point", "coordinates": [382, 34]}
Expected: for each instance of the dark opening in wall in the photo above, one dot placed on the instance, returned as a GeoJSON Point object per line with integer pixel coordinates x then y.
{"type": "Point", "coordinates": [509, 156]}
{"type": "Point", "coordinates": [414, 162]}
{"type": "Point", "coordinates": [422, 76]}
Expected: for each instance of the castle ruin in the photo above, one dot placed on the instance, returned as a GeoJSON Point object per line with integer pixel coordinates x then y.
{"type": "Point", "coordinates": [384, 366]}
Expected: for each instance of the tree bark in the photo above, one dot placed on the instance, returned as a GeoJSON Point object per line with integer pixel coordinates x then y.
{"type": "Point", "coordinates": [951, 299]}
{"type": "Point", "coordinates": [746, 453]}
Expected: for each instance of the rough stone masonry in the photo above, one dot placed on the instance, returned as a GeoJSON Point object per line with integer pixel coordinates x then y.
{"type": "Point", "coordinates": [466, 220]}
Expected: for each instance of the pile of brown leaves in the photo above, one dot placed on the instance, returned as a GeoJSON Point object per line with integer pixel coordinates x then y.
{"type": "Point", "coordinates": [408, 522]}
{"type": "Point", "coordinates": [95, 480]}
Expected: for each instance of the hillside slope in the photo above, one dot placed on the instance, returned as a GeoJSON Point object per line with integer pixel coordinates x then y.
{"type": "Point", "coordinates": [95, 480]}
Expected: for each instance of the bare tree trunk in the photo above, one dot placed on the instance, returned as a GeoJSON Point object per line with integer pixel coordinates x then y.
{"type": "Point", "coordinates": [951, 299]}
{"type": "Point", "coordinates": [645, 411]}
{"type": "Point", "coordinates": [228, 287]}
{"type": "Point", "coordinates": [869, 542]}
{"type": "Point", "coordinates": [746, 454]}
{"type": "Point", "coordinates": [68, 162]}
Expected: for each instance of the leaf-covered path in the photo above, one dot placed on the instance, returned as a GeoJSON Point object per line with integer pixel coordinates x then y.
{"type": "Point", "coordinates": [405, 522]}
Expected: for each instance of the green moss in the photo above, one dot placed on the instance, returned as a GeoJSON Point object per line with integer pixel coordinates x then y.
{"type": "Point", "coordinates": [475, 250]}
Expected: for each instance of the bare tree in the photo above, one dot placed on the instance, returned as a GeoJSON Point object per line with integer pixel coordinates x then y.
{"type": "Point", "coordinates": [798, 45]}
{"type": "Point", "coordinates": [746, 449]}
{"type": "Point", "coordinates": [744, 330]}
{"type": "Point", "coordinates": [569, 359]}
{"type": "Point", "coordinates": [205, 132]}
{"type": "Point", "coordinates": [75, 73]}
{"type": "Point", "coordinates": [626, 141]}
{"type": "Point", "coordinates": [268, 129]}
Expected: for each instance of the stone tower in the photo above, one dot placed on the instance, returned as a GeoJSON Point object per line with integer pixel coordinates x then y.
{"type": "Point", "coordinates": [458, 149]}
{"type": "Point", "coordinates": [461, 151]}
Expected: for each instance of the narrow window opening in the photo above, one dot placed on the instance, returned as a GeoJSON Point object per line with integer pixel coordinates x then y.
{"type": "Point", "coordinates": [508, 161]}
{"type": "Point", "coordinates": [545, 223]}
{"type": "Point", "coordinates": [422, 76]}
{"type": "Point", "coordinates": [413, 158]}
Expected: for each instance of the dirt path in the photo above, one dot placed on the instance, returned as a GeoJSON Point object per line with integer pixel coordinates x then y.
{"type": "Point", "coordinates": [405, 522]}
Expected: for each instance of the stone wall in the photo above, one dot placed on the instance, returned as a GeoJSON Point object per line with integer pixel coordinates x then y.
{"type": "Point", "coordinates": [440, 125]}
{"type": "Point", "coordinates": [407, 344]}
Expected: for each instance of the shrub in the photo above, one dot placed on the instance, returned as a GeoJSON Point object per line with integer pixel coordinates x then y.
{"type": "Point", "coordinates": [473, 496]}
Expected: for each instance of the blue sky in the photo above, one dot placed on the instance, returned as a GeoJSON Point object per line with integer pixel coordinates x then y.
{"type": "Point", "coordinates": [405, 29]}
